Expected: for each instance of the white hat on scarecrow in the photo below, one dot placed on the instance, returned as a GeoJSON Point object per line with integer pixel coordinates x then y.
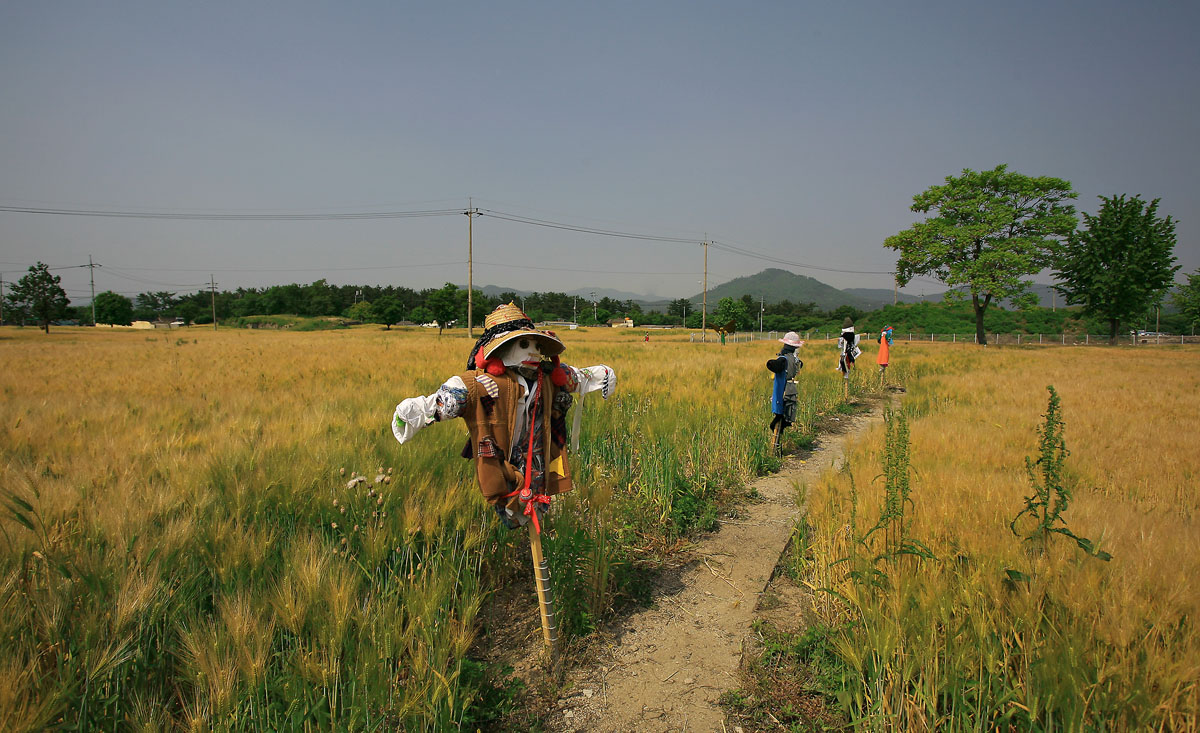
{"type": "Point", "coordinates": [791, 338]}
{"type": "Point", "coordinates": [501, 326]}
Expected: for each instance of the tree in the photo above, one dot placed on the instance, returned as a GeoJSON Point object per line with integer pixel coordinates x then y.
{"type": "Point", "coordinates": [113, 308]}
{"type": "Point", "coordinates": [1122, 264]}
{"type": "Point", "coordinates": [388, 310]}
{"type": "Point", "coordinates": [1187, 299]}
{"type": "Point", "coordinates": [445, 304]}
{"type": "Point", "coordinates": [680, 307]}
{"type": "Point", "coordinates": [152, 305]}
{"type": "Point", "coordinates": [362, 311]}
{"type": "Point", "coordinates": [39, 296]}
{"type": "Point", "coordinates": [728, 310]}
{"type": "Point", "coordinates": [422, 315]}
{"type": "Point", "coordinates": [991, 230]}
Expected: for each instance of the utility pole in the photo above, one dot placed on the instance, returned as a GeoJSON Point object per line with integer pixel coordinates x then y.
{"type": "Point", "coordinates": [895, 291]}
{"type": "Point", "coordinates": [704, 305]}
{"type": "Point", "coordinates": [471, 213]}
{"type": "Point", "coordinates": [2, 299]}
{"type": "Point", "coordinates": [762, 308]}
{"type": "Point", "coordinates": [92, 275]}
{"type": "Point", "coordinates": [212, 283]}
{"type": "Point", "coordinates": [594, 316]}
{"type": "Point", "coordinates": [574, 302]}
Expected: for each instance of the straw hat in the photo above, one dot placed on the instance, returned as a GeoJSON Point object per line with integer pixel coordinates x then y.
{"type": "Point", "coordinates": [504, 324]}
{"type": "Point", "coordinates": [791, 338]}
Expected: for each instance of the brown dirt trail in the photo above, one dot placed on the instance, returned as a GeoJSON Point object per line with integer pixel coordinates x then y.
{"type": "Point", "coordinates": [664, 668]}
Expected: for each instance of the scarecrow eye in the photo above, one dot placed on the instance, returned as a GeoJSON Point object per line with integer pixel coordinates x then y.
{"type": "Point", "coordinates": [523, 343]}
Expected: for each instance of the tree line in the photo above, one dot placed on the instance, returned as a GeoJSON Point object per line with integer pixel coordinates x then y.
{"type": "Point", "coordinates": [985, 234]}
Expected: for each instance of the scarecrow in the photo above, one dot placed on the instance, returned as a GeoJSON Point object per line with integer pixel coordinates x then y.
{"type": "Point", "coordinates": [848, 348]}
{"type": "Point", "coordinates": [514, 398]}
{"type": "Point", "coordinates": [849, 351]}
{"type": "Point", "coordinates": [783, 395]}
{"type": "Point", "coordinates": [885, 344]}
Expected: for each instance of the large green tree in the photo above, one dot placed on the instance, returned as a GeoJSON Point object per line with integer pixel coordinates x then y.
{"type": "Point", "coordinates": [989, 230]}
{"type": "Point", "coordinates": [1121, 264]}
{"type": "Point", "coordinates": [113, 308]}
{"type": "Point", "coordinates": [388, 310]}
{"type": "Point", "coordinates": [40, 296]}
{"type": "Point", "coordinates": [730, 310]}
{"type": "Point", "coordinates": [1187, 299]}
{"type": "Point", "coordinates": [445, 304]}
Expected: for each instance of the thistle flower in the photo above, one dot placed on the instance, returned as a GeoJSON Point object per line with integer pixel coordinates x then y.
{"type": "Point", "coordinates": [343, 470]}
{"type": "Point", "coordinates": [333, 524]}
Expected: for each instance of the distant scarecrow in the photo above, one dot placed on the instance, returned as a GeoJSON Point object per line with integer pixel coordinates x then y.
{"type": "Point", "coordinates": [885, 348]}
{"type": "Point", "coordinates": [848, 348]}
{"type": "Point", "coordinates": [784, 393]}
{"type": "Point", "coordinates": [514, 399]}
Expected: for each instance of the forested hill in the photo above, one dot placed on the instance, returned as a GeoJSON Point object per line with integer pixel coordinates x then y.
{"type": "Point", "coordinates": [774, 285]}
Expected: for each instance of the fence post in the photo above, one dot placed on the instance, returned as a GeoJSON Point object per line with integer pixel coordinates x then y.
{"type": "Point", "coordinates": [1064, 338]}
{"type": "Point", "coordinates": [954, 338]}
{"type": "Point", "coordinates": [1087, 338]}
{"type": "Point", "coordinates": [931, 338]}
{"type": "Point", "coordinates": [1039, 338]}
{"type": "Point", "coordinates": [1018, 338]}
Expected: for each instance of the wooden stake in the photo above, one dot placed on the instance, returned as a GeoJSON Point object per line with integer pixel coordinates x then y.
{"type": "Point", "coordinates": [541, 575]}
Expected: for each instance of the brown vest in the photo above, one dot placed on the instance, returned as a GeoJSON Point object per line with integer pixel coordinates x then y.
{"type": "Point", "coordinates": [495, 425]}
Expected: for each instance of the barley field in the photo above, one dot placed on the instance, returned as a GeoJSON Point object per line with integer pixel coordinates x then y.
{"type": "Point", "coordinates": [216, 529]}
{"type": "Point", "coordinates": [957, 613]}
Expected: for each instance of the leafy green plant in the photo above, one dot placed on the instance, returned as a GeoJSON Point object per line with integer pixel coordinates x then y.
{"type": "Point", "coordinates": [893, 522]}
{"type": "Point", "coordinates": [1051, 496]}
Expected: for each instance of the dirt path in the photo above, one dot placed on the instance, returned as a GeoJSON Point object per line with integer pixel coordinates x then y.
{"type": "Point", "coordinates": [664, 668]}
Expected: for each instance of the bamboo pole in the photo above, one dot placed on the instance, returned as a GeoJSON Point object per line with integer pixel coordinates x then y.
{"type": "Point", "coordinates": [541, 575]}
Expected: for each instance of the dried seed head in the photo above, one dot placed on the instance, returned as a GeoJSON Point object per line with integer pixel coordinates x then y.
{"type": "Point", "coordinates": [389, 472]}
{"type": "Point", "coordinates": [387, 479]}
{"type": "Point", "coordinates": [379, 501]}
{"type": "Point", "coordinates": [335, 503]}
{"type": "Point", "coordinates": [343, 471]}
{"type": "Point", "coordinates": [333, 524]}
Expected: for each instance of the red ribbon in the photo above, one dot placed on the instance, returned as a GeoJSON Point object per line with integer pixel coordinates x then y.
{"type": "Point", "coordinates": [526, 494]}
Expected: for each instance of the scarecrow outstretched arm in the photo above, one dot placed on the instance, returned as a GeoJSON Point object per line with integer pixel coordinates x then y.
{"type": "Point", "coordinates": [415, 413]}
{"type": "Point", "coordinates": [593, 378]}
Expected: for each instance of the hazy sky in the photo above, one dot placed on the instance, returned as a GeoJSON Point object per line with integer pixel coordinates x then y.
{"type": "Point", "coordinates": [798, 131]}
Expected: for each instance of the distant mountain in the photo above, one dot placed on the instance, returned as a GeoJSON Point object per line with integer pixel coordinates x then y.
{"type": "Point", "coordinates": [614, 294]}
{"type": "Point", "coordinates": [494, 291]}
{"type": "Point", "coordinates": [879, 297]}
{"type": "Point", "coordinates": [774, 285]}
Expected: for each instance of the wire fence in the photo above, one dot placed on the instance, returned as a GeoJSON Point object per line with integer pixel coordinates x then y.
{"type": "Point", "coordinates": [993, 339]}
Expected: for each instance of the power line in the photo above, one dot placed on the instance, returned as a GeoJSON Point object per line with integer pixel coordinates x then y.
{"type": "Point", "coordinates": [493, 213]}
{"type": "Point", "coordinates": [585, 230]}
{"type": "Point", "coordinates": [229, 216]}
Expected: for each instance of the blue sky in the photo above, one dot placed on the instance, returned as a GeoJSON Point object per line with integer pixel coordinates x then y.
{"type": "Point", "coordinates": [793, 130]}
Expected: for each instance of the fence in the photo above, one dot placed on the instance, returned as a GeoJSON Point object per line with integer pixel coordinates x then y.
{"type": "Point", "coordinates": [995, 339]}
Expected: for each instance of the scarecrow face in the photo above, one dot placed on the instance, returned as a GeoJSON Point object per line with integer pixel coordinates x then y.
{"type": "Point", "coordinates": [520, 352]}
